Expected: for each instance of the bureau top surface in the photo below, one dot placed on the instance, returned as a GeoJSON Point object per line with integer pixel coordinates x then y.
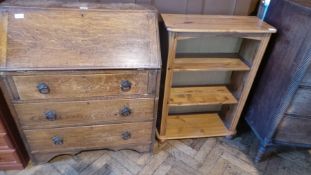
{"type": "Point", "coordinates": [216, 24]}
{"type": "Point", "coordinates": [74, 36]}
{"type": "Point", "coordinates": [56, 4]}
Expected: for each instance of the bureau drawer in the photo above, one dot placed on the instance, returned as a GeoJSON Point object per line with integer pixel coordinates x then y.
{"type": "Point", "coordinates": [2, 130]}
{"type": "Point", "coordinates": [90, 137]}
{"type": "Point", "coordinates": [294, 130]}
{"type": "Point", "coordinates": [58, 114]}
{"type": "Point", "coordinates": [8, 156]}
{"type": "Point", "coordinates": [4, 141]}
{"type": "Point", "coordinates": [301, 103]}
{"type": "Point", "coordinates": [31, 87]}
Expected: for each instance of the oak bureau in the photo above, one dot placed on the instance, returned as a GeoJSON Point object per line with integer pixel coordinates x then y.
{"type": "Point", "coordinates": [80, 76]}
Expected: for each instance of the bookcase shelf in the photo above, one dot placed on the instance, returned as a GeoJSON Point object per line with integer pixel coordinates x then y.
{"type": "Point", "coordinates": [190, 96]}
{"type": "Point", "coordinates": [254, 36]}
{"type": "Point", "coordinates": [194, 125]}
{"type": "Point", "coordinates": [209, 64]}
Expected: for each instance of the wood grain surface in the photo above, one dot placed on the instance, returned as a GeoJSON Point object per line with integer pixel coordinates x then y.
{"type": "Point", "coordinates": [224, 7]}
{"type": "Point", "coordinates": [209, 64]}
{"type": "Point", "coordinates": [97, 5]}
{"type": "Point", "coordinates": [191, 96]}
{"type": "Point", "coordinates": [254, 35]}
{"type": "Point", "coordinates": [3, 141]}
{"type": "Point", "coordinates": [215, 23]}
{"type": "Point", "coordinates": [194, 126]}
{"type": "Point", "coordinates": [80, 85]}
{"type": "Point", "coordinates": [79, 41]}
{"type": "Point", "coordinates": [78, 113]}
{"type": "Point", "coordinates": [12, 151]}
{"type": "Point", "coordinates": [8, 156]}
{"type": "Point", "coordinates": [89, 137]}
{"type": "Point", "coordinates": [3, 38]}
{"type": "Point", "coordinates": [69, 69]}
{"type": "Point", "coordinates": [168, 80]}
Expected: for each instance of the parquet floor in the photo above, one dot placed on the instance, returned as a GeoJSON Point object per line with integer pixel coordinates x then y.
{"type": "Point", "coordinates": [212, 156]}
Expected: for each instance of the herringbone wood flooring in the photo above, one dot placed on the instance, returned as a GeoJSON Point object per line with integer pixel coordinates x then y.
{"type": "Point", "coordinates": [212, 156]}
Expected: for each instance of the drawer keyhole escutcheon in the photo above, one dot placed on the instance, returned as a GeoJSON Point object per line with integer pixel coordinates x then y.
{"type": "Point", "coordinates": [57, 140]}
{"type": "Point", "coordinates": [125, 85]}
{"type": "Point", "coordinates": [50, 115]}
{"type": "Point", "coordinates": [125, 111]}
{"type": "Point", "coordinates": [126, 135]}
{"type": "Point", "coordinates": [43, 88]}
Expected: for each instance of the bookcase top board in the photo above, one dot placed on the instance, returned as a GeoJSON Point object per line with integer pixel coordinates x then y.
{"type": "Point", "coordinates": [216, 24]}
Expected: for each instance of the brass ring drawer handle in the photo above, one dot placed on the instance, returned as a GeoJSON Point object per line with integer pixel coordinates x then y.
{"type": "Point", "coordinates": [125, 85]}
{"type": "Point", "coordinates": [126, 135]}
{"type": "Point", "coordinates": [57, 140]}
{"type": "Point", "coordinates": [43, 88]}
{"type": "Point", "coordinates": [125, 112]}
{"type": "Point", "coordinates": [50, 115]}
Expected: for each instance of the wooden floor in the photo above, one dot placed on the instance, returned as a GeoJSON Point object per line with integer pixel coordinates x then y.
{"type": "Point", "coordinates": [184, 157]}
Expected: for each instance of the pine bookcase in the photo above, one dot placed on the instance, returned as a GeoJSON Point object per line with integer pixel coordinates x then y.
{"type": "Point", "coordinates": [252, 35]}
